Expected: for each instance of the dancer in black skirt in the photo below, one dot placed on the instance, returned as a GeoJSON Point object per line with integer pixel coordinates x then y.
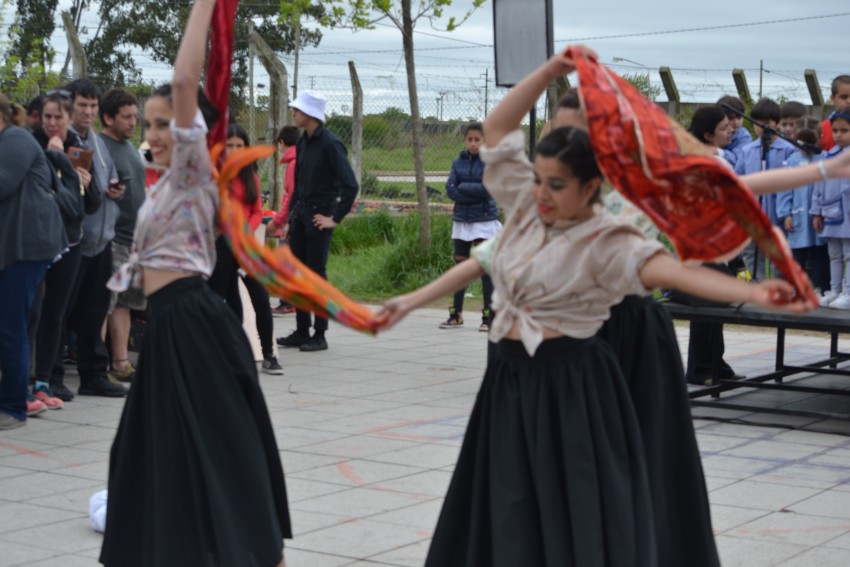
{"type": "Point", "coordinates": [194, 476]}
{"type": "Point", "coordinates": [553, 470]}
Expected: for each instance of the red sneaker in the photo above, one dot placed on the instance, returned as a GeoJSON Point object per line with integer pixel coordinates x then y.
{"type": "Point", "coordinates": [34, 407]}
{"type": "Point", "coordinates": [45, 396]}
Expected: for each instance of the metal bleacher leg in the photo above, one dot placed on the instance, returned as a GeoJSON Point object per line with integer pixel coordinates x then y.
{"type": "Point", "coordinates": [780, 352]}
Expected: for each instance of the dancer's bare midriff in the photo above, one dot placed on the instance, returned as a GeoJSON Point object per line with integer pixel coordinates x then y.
{"type": "Point", "coordinates": [154, 279]}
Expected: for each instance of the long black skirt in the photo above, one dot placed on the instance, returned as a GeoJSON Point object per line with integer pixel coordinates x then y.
{"type": "Point", "coordinates": [194, 475]}
{"type": "Point", "coordinates": [551, 471]}
{"type": "Point", "coordinates": [642, 335]}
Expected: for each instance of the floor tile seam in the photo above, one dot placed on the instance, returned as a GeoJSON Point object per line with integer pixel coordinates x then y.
{"type": "Point", "coordinates": [377, 562]}
{"type": "Point", "coordinates": [773, 440]}
{"type": "Point", "coordinates": [726, 531]}
{"type": "Point", "coordinates": [366, 484]}
{"type": "Point", "coordinates": [295, 547]}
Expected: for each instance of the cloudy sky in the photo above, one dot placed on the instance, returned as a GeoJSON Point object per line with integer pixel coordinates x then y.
{"type": "Point", "coordinates": [451, 66]}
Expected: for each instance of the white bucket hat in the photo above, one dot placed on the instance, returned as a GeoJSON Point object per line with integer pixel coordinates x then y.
{"type": "Point", "coordinates": [311, 103]}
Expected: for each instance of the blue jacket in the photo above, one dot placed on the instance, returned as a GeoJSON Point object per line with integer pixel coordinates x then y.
{"type": "Point", "coordinates": [472, 201]}
{"type": "Point", "coordinates": [740, 138]}
{"type": "Point", "coordinates": [749, 161]}
{"type": "Point", "coordinates": [796, 204]}
{"type": "Point", "coordinates": [831, 200]}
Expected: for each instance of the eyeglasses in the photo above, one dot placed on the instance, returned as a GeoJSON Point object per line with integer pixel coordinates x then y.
{"type": "Point", "coordinates": [59, 92]}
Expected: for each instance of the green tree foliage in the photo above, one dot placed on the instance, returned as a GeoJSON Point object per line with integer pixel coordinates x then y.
{"type": "Point", "coordinates": [642, 83]}
{"type": "Point", "coordinates": [24, 57]}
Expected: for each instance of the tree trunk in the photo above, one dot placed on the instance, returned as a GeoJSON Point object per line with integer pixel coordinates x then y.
{"type": "Point", "coordinates": [416, 124]}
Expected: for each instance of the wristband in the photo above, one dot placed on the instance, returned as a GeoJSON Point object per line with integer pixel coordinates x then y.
{"type": "Point", "coordinates": [822, 169]}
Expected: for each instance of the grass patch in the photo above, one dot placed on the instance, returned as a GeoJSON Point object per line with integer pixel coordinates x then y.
{"type": "Point", "coordinates": [437, 155]}
{"type": "Point", "coordinates": [375, 256]}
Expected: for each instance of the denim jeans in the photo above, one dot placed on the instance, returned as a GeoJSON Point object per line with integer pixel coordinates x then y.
{"type": "Point", "coordinates": [18, 285]}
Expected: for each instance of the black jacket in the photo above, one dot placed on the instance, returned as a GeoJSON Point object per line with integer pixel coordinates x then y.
{"type": "Point", "coordinates": [324, 181]}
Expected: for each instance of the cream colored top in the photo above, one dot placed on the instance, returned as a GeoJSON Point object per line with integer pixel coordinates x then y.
{"type": "Point", "coordinates": [566, 276]}
{"type": "Point", "coordinates": [176, 225]}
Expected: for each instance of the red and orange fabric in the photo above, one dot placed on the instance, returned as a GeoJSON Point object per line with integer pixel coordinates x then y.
{"type": "Point", "coordinates": [278, 270]}
{"type": "Point", "coordinates": [699, 203]}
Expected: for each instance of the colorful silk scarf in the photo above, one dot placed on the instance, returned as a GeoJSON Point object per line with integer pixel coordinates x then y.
{"type": "Point", "coordinates": [699, 203]}
{"type": "Point", "coordinates": [278, 270]}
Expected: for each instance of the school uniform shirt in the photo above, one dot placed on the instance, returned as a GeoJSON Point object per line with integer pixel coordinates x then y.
{"type": "Point", "coordinates": [796, 204]}
{"type": "Point", "coordinates": [831, 200]}
{"type": "Point", "coordinates": [564, 277]}
{"type": "Point", "coordinates": [749, 160]}
{"type": "Point", "coordinates": [740, 138]}
{"type": "Point", "coordinates": [176, 227]}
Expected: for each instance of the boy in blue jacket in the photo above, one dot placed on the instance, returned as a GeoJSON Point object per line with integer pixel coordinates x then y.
{"type": "Point", "coordinates": [767, 151]}
{"type": "Point", "coordinates": [476, 218]}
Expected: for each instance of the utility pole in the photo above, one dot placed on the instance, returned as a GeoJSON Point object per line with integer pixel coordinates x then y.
{"type": "Point", "coordinates": [440, 101]}
{"type": "Point", "coordinates": [252, 126]}
{"type": "Point", "coordinates": [486, 91]}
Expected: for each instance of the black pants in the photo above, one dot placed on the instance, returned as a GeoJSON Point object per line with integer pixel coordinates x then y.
{"type": "Point", "coordinates": [88, 307]}
{"type": "Point", "coordinates": [705, 350]}
{"type": "Point", "coordinates": [224, 282]}
{"type": "Point", "coordinates": [59, 284]}
{"type": "Point", "coordinates": [463, 249]}
{"type": "Point", "coordinates": [311, 245]}
{"type": "Point", "coordinates": [815, 260]}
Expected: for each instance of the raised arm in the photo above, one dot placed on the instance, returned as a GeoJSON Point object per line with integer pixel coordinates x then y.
{"type": "Point", "coordinates": [460, 276]}
{"type": "Point", "coordinates": [663, 271]}
{"type": "Point", "coordinates": [778, 180]}
{"type": "Point", "coordinates": [190, 63]}
{"type": "Point", "coordinates": [510, 111]}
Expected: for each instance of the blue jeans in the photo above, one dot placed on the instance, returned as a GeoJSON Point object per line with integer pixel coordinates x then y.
{"type": "Point", "coordinates": [18, 285]}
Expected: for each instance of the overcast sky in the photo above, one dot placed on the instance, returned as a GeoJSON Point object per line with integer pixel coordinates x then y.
{"type": "Point", "coordinates": [702, 59]}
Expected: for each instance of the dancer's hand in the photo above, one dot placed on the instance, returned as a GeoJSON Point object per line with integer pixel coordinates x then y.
{"type": "Point", "coordinates": [779, 295]}
{"type": "Point", "coordinates": [393, 311]}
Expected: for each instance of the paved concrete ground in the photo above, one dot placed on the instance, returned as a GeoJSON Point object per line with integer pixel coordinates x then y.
{"type": "Point", "coordinates": [369, 432]}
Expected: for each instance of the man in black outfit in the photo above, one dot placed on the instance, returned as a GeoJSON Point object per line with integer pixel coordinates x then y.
{"type": "Point", "coordinates": [325, 189]}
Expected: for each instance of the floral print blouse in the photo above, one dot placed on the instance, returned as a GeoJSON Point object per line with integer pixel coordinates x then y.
{"type": "Point", "coordinates": [176, 227]}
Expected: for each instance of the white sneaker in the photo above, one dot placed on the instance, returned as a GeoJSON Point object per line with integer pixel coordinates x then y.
{"type": "Point", "coordinates": [843, 302]}
{"type": "Point", "coordinates": [827, 298]}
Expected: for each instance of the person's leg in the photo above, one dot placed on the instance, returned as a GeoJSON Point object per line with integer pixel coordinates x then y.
{"type": "Point", "coordinates": [317, 249]}
{"type": "Point", "coordinates": [462, 249]}
{"type": "Point", "coordinates": [18, 285]}
{"type": "Point", "coordinates": [298, 243]}
{"type": "Point", "coordinates": [223, 278]}
{"type": "Point", "coordinates": [262, 314]}
{"type": "Point", "coordinates": [750, 255]}
{"type": "Point", "coordinates": [59, 285]}
{"type": "Point", "coordinates": [819, 261]}
{"type": "Point", "coordinates": [835, 251]}
{"type": "Point", "coordinates": [87, 319]}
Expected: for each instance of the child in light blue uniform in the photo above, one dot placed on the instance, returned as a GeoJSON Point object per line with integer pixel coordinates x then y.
{"type": "Point", "coordinates": [740, 135]}
{"type": "Point", "coordinates": [830, 210]}
{"type": "Point", "coordinates": [751, 159]}
{"type": "Point", "coordinates": [792, 208]}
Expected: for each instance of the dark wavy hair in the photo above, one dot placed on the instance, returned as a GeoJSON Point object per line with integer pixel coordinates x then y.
{"type": "Point", "coordinates": [571, 146]}
{"type": "Point", "coordinates": [246, 175]}
{"type": "Point", "coordinates": [705, 120]}
{"type": "Point", "coordinates": [208, 110]}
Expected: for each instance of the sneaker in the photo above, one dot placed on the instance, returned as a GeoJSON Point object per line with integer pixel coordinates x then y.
{"type": "Point", "coordinates": [315, 344]}
{"type": "Point", "coordinates": [101, 386]}
{"type": "Point", "coordinates": [45, 396]}
{"type": "Point", "coordinates": [486, 319]}
{"type": "Point", "coordinates": [282, 309]}
{"type": "Point", "coordinates": [69, 357]}
{"type": "Point", "coordinates": [34, 407]}
{"type": "Point", "coordinates": [295, 339]}
{"type": "Point", "coordinates": [455, 320]}
{"type": "Point", "coordinates": [62, 392]}
{"type": "Point", "coordinates": [126, 375]}
{"type": "Point", "coordinates": [9, 422]}
{"type": "Point", "coordinates": [272, 366]}
{"type": "Point", "coordinates": [842, 302]}
{"type": "Point", "coordinates": [828, 298]}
